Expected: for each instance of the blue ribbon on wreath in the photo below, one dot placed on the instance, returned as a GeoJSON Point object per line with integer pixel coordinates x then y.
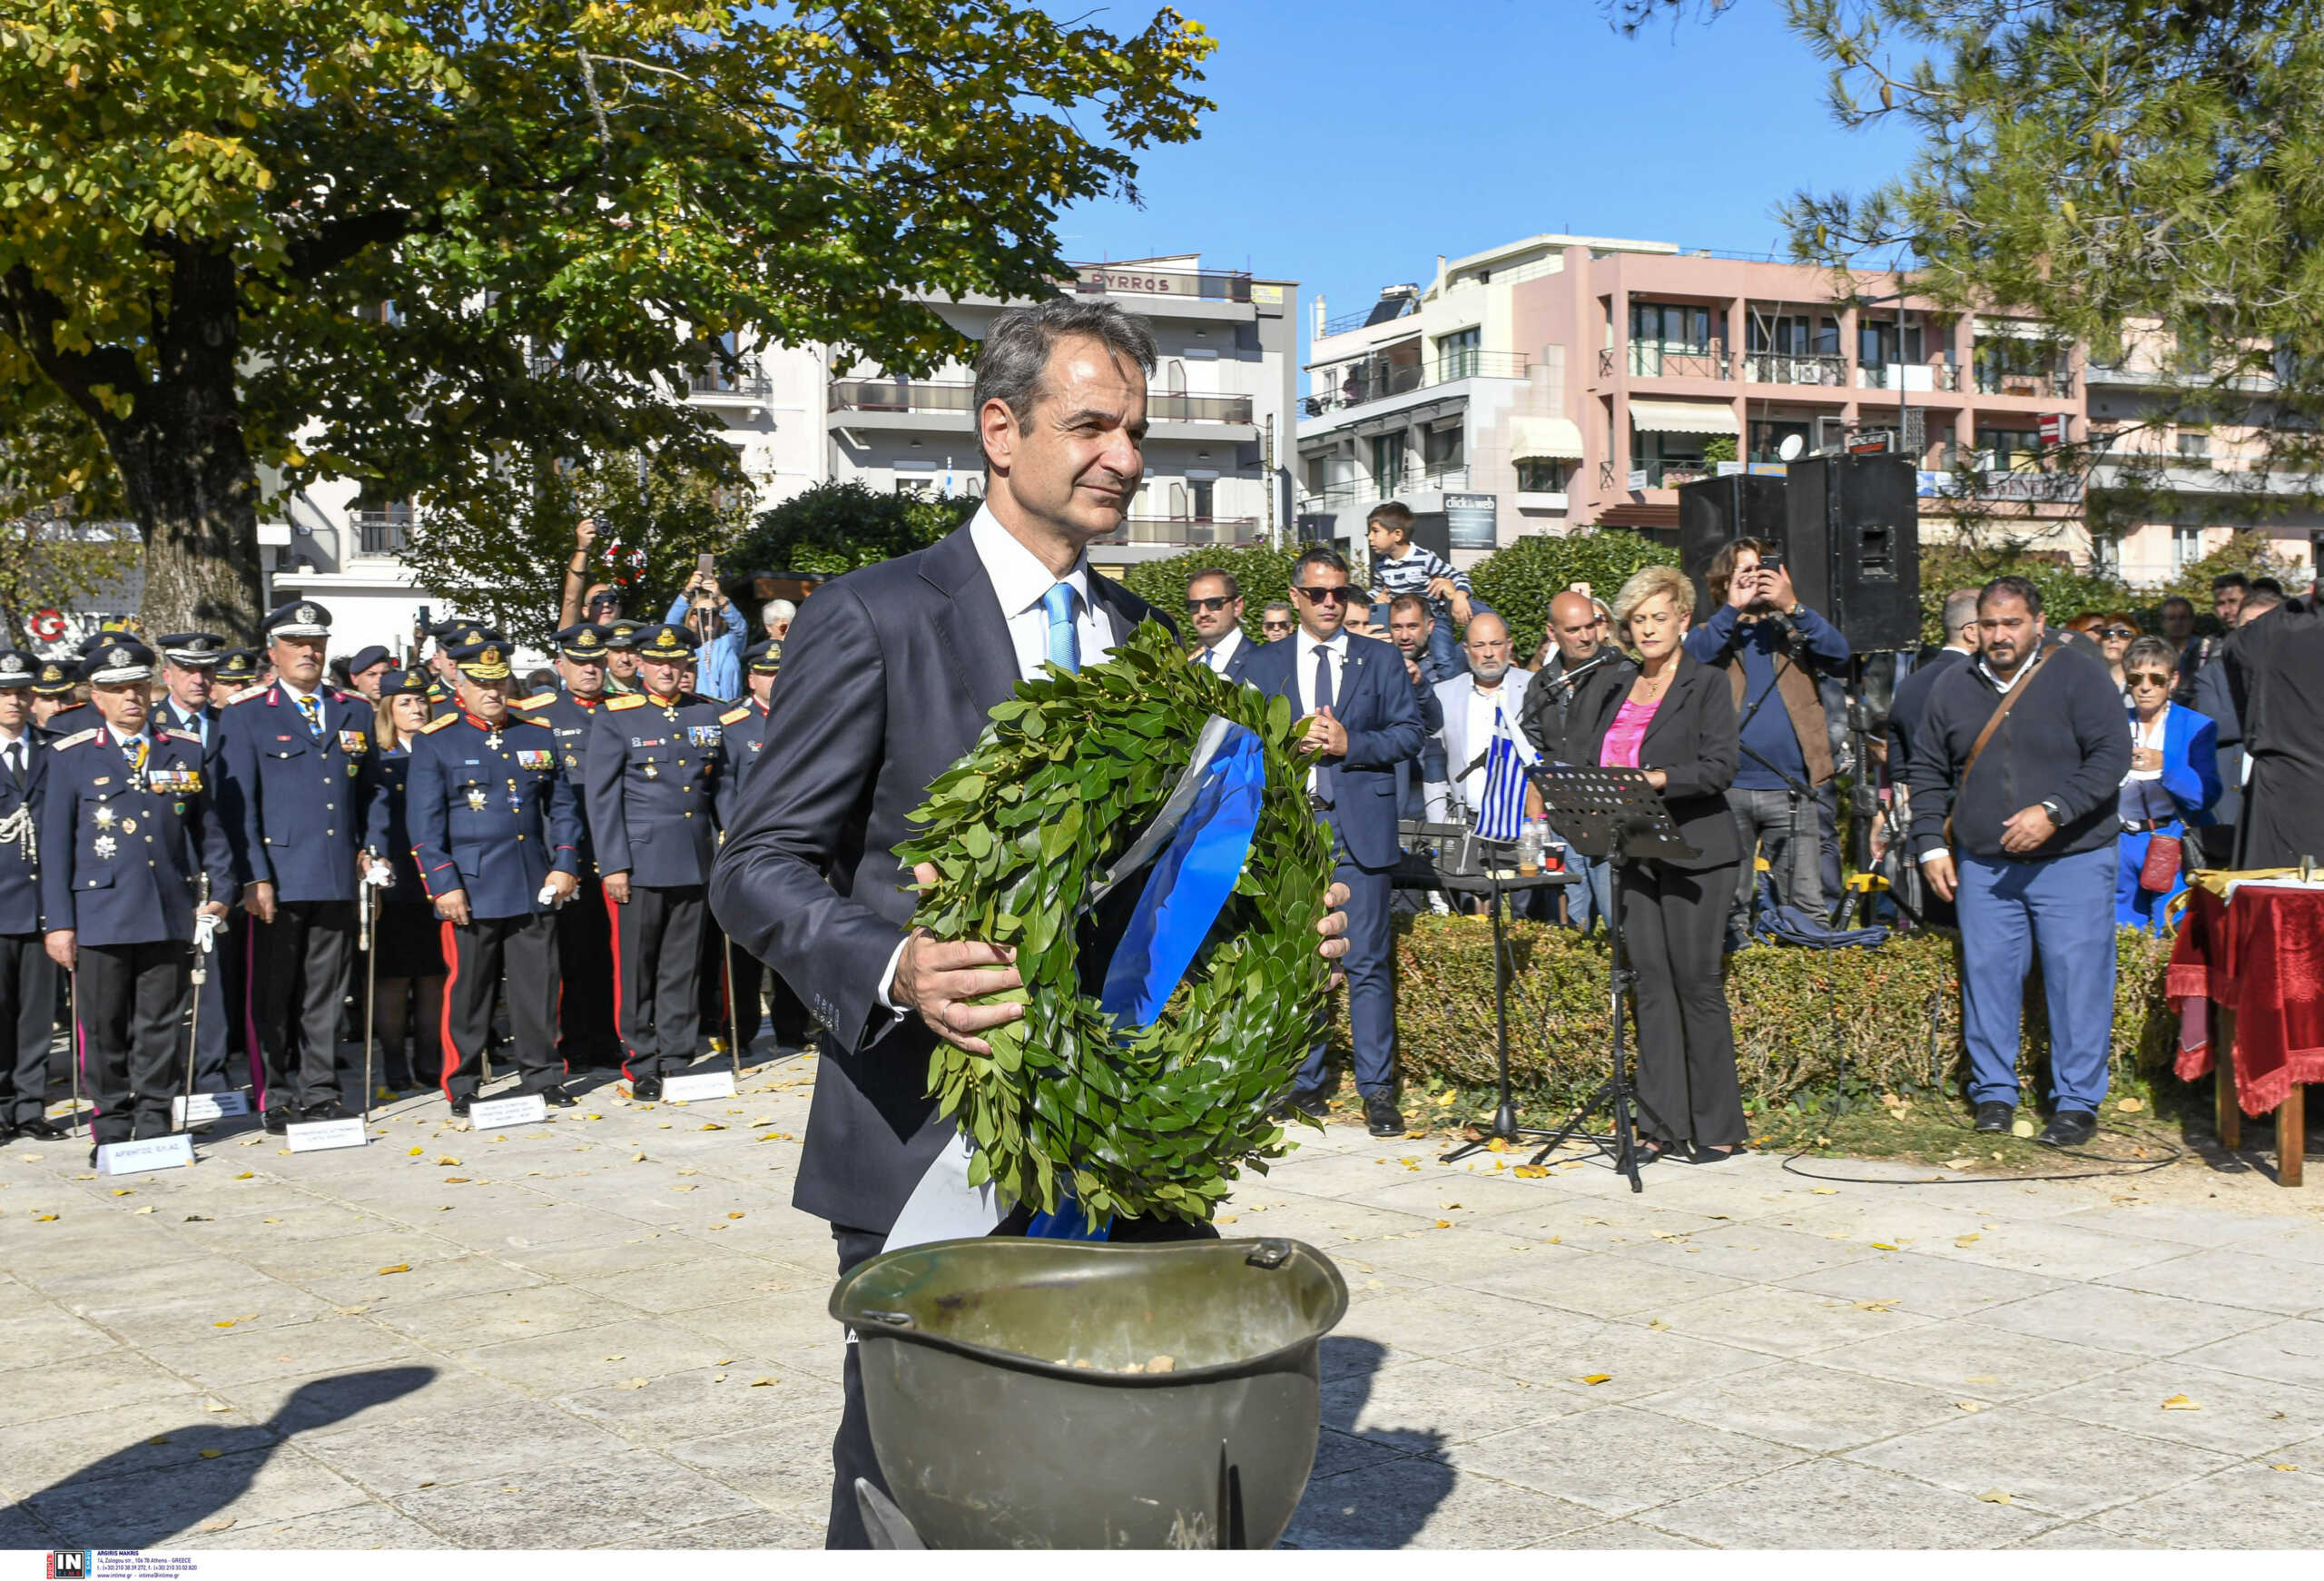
{"type": "Point", "coordinates": [1181, 899]}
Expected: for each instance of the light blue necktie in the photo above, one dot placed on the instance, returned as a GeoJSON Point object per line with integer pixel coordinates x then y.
{"type": "Point", "coordinates": [1065, 642]}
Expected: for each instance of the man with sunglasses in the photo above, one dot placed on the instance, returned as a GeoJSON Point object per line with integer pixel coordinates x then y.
{"type": "Point", "coordinates": [1363, 721]}
{"type": "Point", "coordinates": [1277, 621]}
{"type": "Point", "coordinates": [1215, 609]}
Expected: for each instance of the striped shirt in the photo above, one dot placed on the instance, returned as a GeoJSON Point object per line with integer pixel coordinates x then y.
{"type": "Point", "coordinates": [1412, 572]}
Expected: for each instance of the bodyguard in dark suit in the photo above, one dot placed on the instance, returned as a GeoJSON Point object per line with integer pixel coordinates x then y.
{"type": "Point", "coordinates": [27, 976]}
{"type": "Point", "coordinates": [1676, 719]}
{"type": "Point", "coordinates": [1215, 611]}
{"type": "Point", "coordinates": [585, 1035]}
{"type": "Point", "coordinates": [1363, 721]}
{"type": "Point", "coordinates": [126, 833]}
{"type": "Point", "coordinates": [296, 761]}
{"type": "Point", "coordinates": [653, 786]}
{"type": "Point", "coordinates": [888, 674]}
{"type": "Point", "coordinates": [494, 827]}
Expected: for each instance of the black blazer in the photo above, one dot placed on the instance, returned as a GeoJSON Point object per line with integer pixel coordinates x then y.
{"type": "Point", "coordinates": [1693, 738]}
{"type": "Point", "coordinates": [887, 677]}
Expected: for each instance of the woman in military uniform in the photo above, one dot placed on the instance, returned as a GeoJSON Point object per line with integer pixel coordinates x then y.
{"type": "Point", "coordinates": [406, 954]}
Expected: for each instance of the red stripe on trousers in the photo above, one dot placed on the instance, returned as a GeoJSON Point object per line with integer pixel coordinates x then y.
{"type": "Point", "coordinates": [620, 1031]}
{"type": "Point", "coordinates": [451, 1058]}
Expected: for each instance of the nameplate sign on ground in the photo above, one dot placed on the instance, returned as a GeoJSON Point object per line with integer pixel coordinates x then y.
{"type": "Point", "coordinates": [316, 1135]}
{"type": "Point", "coordinates": [528, 1109]}
{"type": "Point", "coordinates": [134, 1158]}
{"type": "Point", "coordinates": [694, 1089]}
{"type": "Point", "coordinates": [204, 1107]}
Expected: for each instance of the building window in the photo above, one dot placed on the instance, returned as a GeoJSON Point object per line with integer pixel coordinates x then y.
{"type": "Point", "coordinates": [2009, 450]}
{"type": "Point", "coordinates": [1387, 463]}
{"type": "Point", "coordinates": [1768, 435]}
{"type": "Point", "coordinates": [1457, 355]}
{"type": "Point", "coordinates": [2107, 554]}
{"type": "Point", "coordinates": [1440, 446]}
{"type": "Point", "coordinates": [1203, 497]}
{"type": "Point", "coordinates": [1668, 460]}
{"type": "Point", "coordinates": [2186, 546]}
{"type": "Point", "coordinates": [2195, 445]}
{"type": "Point", "coordinates": [1543, 477]}
{"type": "Point", "coordinates": [1793, 334]}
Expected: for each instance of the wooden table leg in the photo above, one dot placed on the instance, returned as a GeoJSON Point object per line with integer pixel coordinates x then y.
{"type": "Point", "coordinates": [2230, 1112]}
{"type": "Point", "coordinates": [2291, 1135]}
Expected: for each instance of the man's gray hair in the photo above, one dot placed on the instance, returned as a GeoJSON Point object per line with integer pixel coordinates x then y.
{"type": "Point", "coordinates": [778, 609]}
{"type": "Point", "coordinates": [1015, 357]}
{"type": "Point", "coordinates": [1960, 610]}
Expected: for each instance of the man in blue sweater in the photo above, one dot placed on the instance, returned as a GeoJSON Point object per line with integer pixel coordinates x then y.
{"type": "Point", "coordinates": [2015, 775]}
{"type": "Point", "coordinates": [1771, 647]}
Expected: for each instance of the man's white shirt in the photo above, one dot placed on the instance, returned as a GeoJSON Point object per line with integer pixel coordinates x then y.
{"type": "Point", "coordinates": [1304, 673]}
{"type": "Point", "coordinates": [1485, 708]}
{"type": "Point", "coordinates": [1222, 654]}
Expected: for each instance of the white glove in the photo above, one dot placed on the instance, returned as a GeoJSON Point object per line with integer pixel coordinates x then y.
{"type": "Point", "coordinates": [549, 897]}
{"type": "Point", "coordinates": [205, 924]}
{"type": "Point", "coordinates": [382, 873]}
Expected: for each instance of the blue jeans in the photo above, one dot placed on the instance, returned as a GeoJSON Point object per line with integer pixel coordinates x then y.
{"type": "Point", "coordinates": [1590, 897]}
{"type": "Point", "coordinates": [2063, 907]}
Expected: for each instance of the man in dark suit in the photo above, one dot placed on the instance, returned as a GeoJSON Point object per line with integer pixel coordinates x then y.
{"type": "Point", "coordinates": [890, 673]}
{"type": "Point", "coordinates": [27, 976]}
{"type": "Point", "coordinates": [742, 742]}
{"type": "Point", "coordinates": [1215, 610]}
{"type": "Point", "coordinates": [295, 758]}
{"type": "Point", "coordinates": [189, 660]}
{"type": "Point", "coordinates": [1363, 721]}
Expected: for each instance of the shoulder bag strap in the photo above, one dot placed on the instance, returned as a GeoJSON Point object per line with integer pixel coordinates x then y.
{"type": "Point", "coordinates": [1977, 748]}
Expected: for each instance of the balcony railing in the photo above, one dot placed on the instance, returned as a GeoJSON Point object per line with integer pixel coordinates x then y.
{"type": "Point", "coordinates": [1441, 479]}
{"type": "Point", "coordinates": [1827, 368]}
{"type": "Point", "coordinates": [1662, 359]}
{"type": "Point", "coordinates": [381, 532]}
{"type": "Point", "coordinates": [1366, 381]}
{"type": "Point", "coordinates": [1136, 280]}
{"type": "Point", "coordinates": [1362, 317]}
{"type": "Point", "coordinates": [923, 395]}
{"type": "Point", "coordinates": [1669, 474]}
{"type": "Point", "coordinates": [1910, 375]}
{"type": "Point", "coordinates": [1191, 531]}
{"type": "Point", "coordinates": [716, 384]}
{"type": "Point", "coordinates": [1994, 381]}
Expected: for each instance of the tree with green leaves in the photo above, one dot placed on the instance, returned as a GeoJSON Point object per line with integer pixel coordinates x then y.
{"type": "Point", "coordinates": [449, 248]}
{"type": "Point", "coordinates": [1520, 579]}
{"type": "Point", "coordinates": [1263, 572]}
{"type": "Point", "coordinates": [836, 527]}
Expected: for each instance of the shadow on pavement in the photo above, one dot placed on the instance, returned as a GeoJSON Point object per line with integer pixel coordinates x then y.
{"type": "Point", "coordinates": [1374, 1486]}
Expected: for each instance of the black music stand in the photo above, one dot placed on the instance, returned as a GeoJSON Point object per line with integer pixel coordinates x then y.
{"type": "Point", "coordinates": [1495, 888]}
{"type": "Point", "coordinates": [1613, 816]}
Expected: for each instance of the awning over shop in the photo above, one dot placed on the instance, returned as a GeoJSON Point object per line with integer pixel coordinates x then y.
{"type": "Point", "coordinates": [1544, 439]}
{"type": "Point", "coordinates": [1683, 416]}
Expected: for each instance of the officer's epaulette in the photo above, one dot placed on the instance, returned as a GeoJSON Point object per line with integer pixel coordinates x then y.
{"type": "Point", "coordinates": [734, 716]}
{"type": "Point", "coordinates": [250, 696]}
{"type": "Point", "coordinates": [182, 736]}
{"type": "Point", "coordinates": [74, 740]}
{"type": "Point", "coordinates": [634, 701]}
{"type": "Point", "coordinates": [533, 704]}
{"type": "Point", "coordinates": [437, 723]}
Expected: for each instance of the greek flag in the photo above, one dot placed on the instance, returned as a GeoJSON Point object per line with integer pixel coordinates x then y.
{"type": "Point", "coordinates": [1500, 810]}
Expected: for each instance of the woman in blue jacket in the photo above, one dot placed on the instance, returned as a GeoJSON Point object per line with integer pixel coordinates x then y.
{"type": "Point", "coordinates": [2173, 780]}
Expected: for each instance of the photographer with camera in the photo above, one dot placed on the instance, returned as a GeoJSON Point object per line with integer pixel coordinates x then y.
{"type": "Point", "coordinates": [1771, 645]}
{"type": "Point", "coordinates": [718, 627]}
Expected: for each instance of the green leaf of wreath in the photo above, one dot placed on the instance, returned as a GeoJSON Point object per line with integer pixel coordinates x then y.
{"type": "Point", "coordinates": [1152, 1121]}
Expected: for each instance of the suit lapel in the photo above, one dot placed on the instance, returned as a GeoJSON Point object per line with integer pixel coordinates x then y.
{"type": "Point", "coordinates": [1121, 619]}
{"type": "Point", "coordinates": [1687, 677]}
{"type": "Point", "coordinates": [969, 624]}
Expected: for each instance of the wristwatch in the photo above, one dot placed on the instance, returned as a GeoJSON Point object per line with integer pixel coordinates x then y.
{"type": "Point", "coordinates": [1795, 607]}
{"type": "Point", "coordinates": [2056, 810]}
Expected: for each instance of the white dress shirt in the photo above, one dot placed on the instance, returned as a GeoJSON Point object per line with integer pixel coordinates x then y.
{"type": "Point", "coordinates": [16, 751]}
{"type": "Point", "coordinates": [1482, 706]}
{"type": "Point", "coordinates": [1020, 582]}
{"type": "Point", "coordinates": [1304, 672]}
{"type": "Point", "coordinates": [1218, 657]}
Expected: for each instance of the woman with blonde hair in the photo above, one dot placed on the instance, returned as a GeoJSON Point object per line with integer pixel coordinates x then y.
{"type": "Point", "coordinates": [1675, 718]}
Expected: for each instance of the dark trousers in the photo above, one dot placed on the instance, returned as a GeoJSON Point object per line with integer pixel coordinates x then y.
{"type": "Point", "coordinates": [216, 1008]}
{"type": "Point", "coordinates": [28, 1009]}
{"type": "Point", "coordinates": [1672, 924]}
{"type": "Point", "coordinates": [657, 962]}
{"type": "Point", "coordinates": [300, 965]}
{"type": "Point", "coordinates": [523, 950]}
{"type": "Point", "coordinates": [851, 1453]}
{"type": "Point", "coordinates": [585, 1038]}
{"type": "Point", "coordinates": [750, 980]}
{"type": "Point", "coordinates": [1370, 979]}
{"type": "Point", "coordinates": [133, 1001]}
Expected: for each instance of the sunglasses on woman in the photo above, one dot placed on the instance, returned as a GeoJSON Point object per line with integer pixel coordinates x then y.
{"type": "Point", "coordinates": [1327, 594]}
{"type": "Point", "coordinates": [2119, 633]}
{"type": "Point", "coordinates": [2148, 679]}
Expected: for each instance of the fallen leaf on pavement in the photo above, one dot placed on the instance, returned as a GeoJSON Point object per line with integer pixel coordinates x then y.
{"type": "Point", "coordinates": [761, 1382]}
{"type": "Point", "coordinates": [218, 1523]}
{"type": "Point", "coordinates": [1971, 1405]}
{"type": "Point", "coordinates": [1593, 1378]}
{"type": "Point", "coordinates": [1994, 1495]}
{"type": "Point", "coordinates": [1826, 1191]}
{"type": "Point", "coordinates": [397, 1268]}
{"type": "Point", "coordinates": [211, 1454]}
{"type": "Point", "coordinates": [2179, 1402]}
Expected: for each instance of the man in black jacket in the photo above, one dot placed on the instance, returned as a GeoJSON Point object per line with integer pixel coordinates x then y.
{"type": "Point", "coordinates": [2014, 776]}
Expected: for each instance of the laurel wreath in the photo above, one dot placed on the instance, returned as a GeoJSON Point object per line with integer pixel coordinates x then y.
{"type": "Point", "coordinates": [1154, 1121]}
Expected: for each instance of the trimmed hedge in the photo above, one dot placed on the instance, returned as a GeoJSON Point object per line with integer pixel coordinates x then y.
{"type": "Point", "coordinates": [1805, 1021]}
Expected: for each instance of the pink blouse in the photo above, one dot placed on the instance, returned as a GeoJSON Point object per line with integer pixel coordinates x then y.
{"type": "Point", "coordinates": [1626, 734]}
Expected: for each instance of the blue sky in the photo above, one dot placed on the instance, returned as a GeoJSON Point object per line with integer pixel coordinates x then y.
{"type": "Point", "coordinates": [1357, 140]}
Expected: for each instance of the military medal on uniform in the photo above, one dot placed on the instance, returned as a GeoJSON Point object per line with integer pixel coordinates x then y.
{"type": "Point", "coordinates": [475, 799]}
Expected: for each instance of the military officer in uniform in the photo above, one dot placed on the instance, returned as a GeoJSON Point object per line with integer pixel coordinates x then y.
{"type": "Point", "coordinates": [127, 832]}
{"type": "Point", "coordinates": [54, 685]}
{"type": "Point", "coordinates": [296, 756]}
{"type": "Point", "coordinates": [621, 656]}
{"type": "Point", "coordinates": [27, 976]}
{"type": "Point", "coordinates": [742, 735]}
{"type": "Point", "coordinates": [190, 661]}
{"type": "Point", "coordinates": [236, 673]}
{"type": "Point", "coordinates": [652, 775]}
{"type": "Point", "coordinates": [495, 828]}
{"type": "Point", "coordinates": [586, 1039]}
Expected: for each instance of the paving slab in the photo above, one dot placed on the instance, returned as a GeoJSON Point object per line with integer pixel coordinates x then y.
{"type": "Point", "coordinates": [2067, 1468]}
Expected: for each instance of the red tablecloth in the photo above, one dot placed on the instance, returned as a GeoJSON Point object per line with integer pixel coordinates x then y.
{"type": "Point", "coordinates": [2262, 957]}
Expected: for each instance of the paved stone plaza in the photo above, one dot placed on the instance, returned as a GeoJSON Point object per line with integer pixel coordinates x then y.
{"type": "Point", "coordinates": [610, 1330]}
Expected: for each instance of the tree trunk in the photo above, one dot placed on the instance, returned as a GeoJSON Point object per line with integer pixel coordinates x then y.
{"type": "Point", "coordinates": [188, 474]}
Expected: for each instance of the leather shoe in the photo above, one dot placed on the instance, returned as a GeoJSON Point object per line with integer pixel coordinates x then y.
{"type": "Point", "coordinates": [556, 1097]}
{"type": "Point", "coordinates": [1311, 1101]}
{"type": "Point", "coordinates": [461, 1104]}
{"type": "Point", "coordinates": [1996, 1118]}
{"type": "Point", "coordinates": [42, 1130]}
{"type": "Point", "coordinates": [279, 1120]}
{"type": "Point", "coordinates": [1382, 1117]}
{"type": "Point", "coordinates": [646, 1089]}
{"type": "Point", "coordinates": [2069, 1128]}
{"type": "Point", "coordinates": [331, 1109]}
